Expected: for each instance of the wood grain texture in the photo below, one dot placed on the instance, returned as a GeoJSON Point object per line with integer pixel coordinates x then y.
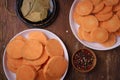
{"type": "Point", "coordinates": [108, 62]}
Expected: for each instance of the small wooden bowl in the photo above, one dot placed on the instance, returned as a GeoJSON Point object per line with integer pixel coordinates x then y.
{"type": "Point", "coordinates": [84, 60]}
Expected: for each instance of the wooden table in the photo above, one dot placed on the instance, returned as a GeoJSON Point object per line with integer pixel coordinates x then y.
{"type": "Point", "coordinates": [108, 62]}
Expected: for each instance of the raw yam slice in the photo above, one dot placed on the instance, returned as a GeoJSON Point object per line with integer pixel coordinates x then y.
{"type": "Point", "coordinates": [39, 36]}
{"type": "Point", "coordinates": [84, 7]}
{"type": "Point", "coordinates": [111, 41]}
{"type": "Point", "coordinates": [111, 2]}
{"type": "Point", "coordinates": [104, 17]}
{"type": "Point", "coordinates": [54, 48]}
{"type": "Point", "coordinates": [32, 50]}
{"type": "Point", "coordinates": [14, 48]}
{"type": "Point", "coordinates": [89, 23]}
{"type": "Point", "coordinates": [26, 72]}
{"type": "Point", "coordinates": [56, 67]}
{"type": "Point", "coordinates": [98, 8]}
{"type": "Point", "coordinates": [99, 35]}
{"type": "Point", "coordinates": [111, 25]}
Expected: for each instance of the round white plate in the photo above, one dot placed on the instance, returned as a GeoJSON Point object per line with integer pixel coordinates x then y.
{"type": "Point", "coordinates": [74, 27]}
{"type": "Point", "coordinates": [12, 76]}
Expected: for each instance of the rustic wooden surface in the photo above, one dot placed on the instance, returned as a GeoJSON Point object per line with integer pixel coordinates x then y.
{"type": "Point", "coordinates": [108, 62]}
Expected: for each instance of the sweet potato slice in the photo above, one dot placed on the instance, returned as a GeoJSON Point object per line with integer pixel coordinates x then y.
{"type": "Point", "coordinates": [96, 2]}
{"type": "Point", "coordinates": [106, 9]}
{"type": "Point", "coordinates": [54, 69]}
{"type": "Point", "coordinates": [15, 63]}
{"type": "Point", "coordinates": [14, 48]}
{"type": "Point", "coordinates": [40, 75]}
{"type": "Point", "coordinates": [77, 18]}
{"type": "Point", "coordinates": [111, 25]}
{"type": "Point", "coordinates": [111, 2]}
{"type": "Point", "coordinates": [104, 17]}
{"type": "Point", "coordinates": [39, 61]}
{"type": "Point", "coordinates": [111, 41]}
{"type": "Point", "coordinates": [118, 14]}
{"type": "Point", "coordinates": [10, 67]}
{"type": "Point", "coordinates": [54, 48]}
{"type": "Point", "coordinates": [80, 33]}
{"type": "Point", "coordinates": [26, 72]}
{"type": "Point", "coordinates": [84, 7]}
{"type": "Point", "coordinates": [89, 23]}
{"type": "Point", "coordinates": [117, 33]}
{"type": "Point", "coordinates": [116, 7]}
{"type": "Point", "coordinates": [32, 50]}
{"type": "Point", "coordinates": [39, 36]}
{"type": "Point", "coordinates": [99, 35]}
{"type": "Point", "coordinates": [98, 8]}
{"type": "Point", "coordinates": [20, 38]}
{"type": "Point", "coordinates": [87, 36]}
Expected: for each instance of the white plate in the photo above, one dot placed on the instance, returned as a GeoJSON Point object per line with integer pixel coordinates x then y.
{"type": "Point", "coordinates": [74, 27]}
{"type": "Point", "coordinates": [12, 76]}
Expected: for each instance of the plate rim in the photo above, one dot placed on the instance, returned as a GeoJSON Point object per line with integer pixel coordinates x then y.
{"type": "Point", "coordinates": [45, 32]}
{"type": "Point", "coordinates": [71, 26]}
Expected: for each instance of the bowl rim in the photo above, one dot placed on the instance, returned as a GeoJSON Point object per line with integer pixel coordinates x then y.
{"type": "Point", "coordinates": [41, 24]}
{"type": "Point", "coordinates": [94, 61]}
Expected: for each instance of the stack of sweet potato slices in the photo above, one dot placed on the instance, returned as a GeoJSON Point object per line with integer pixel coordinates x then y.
{"type": "Point", "coordinates": [99, 21]}
{"type": "Point", "coordinates": [36, 57]}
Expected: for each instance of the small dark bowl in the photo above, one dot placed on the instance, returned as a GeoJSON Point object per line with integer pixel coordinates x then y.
{"type": "Point", "coordinates": [40, 24]}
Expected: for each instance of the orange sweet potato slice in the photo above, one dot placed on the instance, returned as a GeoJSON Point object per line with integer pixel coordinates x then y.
{"type": "Point", "coordinates": [56, 71]}
{"type": "Point", "coordinates": [104, 17]}
{"type": "Point", "coordinates": [12, 69]}
{"type": "Point", "coordinates": [111, 2]}
{"type": "Point", "coordinates": [77, 18]}
{"type": "Point", "coordinates": [116, 7]}
{"type": "Point", "coordinates": [106, 9]}
{"type": "Point", "coordinates": [118, 14]}
{"type": "Point", "coordinates": [26, 72]}
{"type": "Point", "coordinates": [111, 25]}
{"type": "Point", "coordinates": [84, 7]}
{"type": "Point", "coordinates": [110, 42]}
{"type": "Point", "coordinates": [89, 23]}
{"type": "Point", "coordinates": [98, 8]}
{"type": "Point", "coordinates": [99, 35]}
{"type": "Point", "coordinates": [15, 63]}
{"type": "Point", "coordinates": [80, 33]}
{"type": "Point", "coordinates": [39, 61]}
{"type": "Point", "coordinates": [54, 48]}
{"type": "Point", "coordinates": [87, 36]}
{"type": "Point", "coordinates": [40, 75]}
{"type": "Point", "coordinates": [14, 48]}
{"type": "Point", "coordinates": [96, 2]}
{"type": "Point", "coordinates": [117, 33]}
{"type": "Point", "coordinates": [32, 50]}
{"type": "Point", "coordinates": [20, 38]}
{"type": "Point", "coordinates": [39, 36]}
